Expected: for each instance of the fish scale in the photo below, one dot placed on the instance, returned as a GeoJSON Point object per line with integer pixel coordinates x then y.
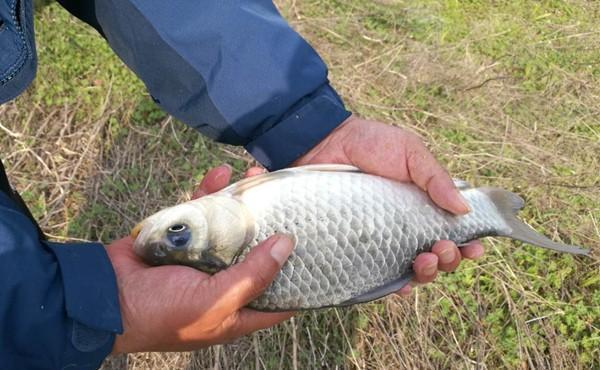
{"type": "Point", "coordinates": [356, 234]}
{"type": "Point", "coordinates": [375, 226]}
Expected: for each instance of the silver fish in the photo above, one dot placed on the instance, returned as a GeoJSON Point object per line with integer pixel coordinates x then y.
{"type": "Point", "coordinates": [356, 234]}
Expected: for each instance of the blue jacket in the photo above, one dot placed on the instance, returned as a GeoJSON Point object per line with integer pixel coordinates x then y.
{"type": "Point", "coordinates": [234, 70]}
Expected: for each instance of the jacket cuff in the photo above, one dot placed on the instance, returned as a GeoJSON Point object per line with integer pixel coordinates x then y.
{"type": "Point", "coordinates": [308, 123]}
{"type": "Point", "coordinates": [91, 301]}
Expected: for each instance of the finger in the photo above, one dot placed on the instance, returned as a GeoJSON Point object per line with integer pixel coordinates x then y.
{"type": "Point", "coordinates": [448, 255]}
{"type": "Point", "coordinates": [214, 180]}
{"type": "Point", "coordinates": [253, 171]}
{"type": "Point", "coordinates": [247, 321]}
{"type": "Point", "coordinates": [425, 267]}
{"type": "Point", "coordinates": [472, 250]}
{"type": "Point", "coordinates": [405, 291]}
{"type": "Point", "coordinates": [429, 175]}
{"type": "Point", "coordinates": [244, 281]}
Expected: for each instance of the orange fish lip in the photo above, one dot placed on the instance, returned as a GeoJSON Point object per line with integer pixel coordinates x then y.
{"type": "Point", "coordinates": [136, 231]}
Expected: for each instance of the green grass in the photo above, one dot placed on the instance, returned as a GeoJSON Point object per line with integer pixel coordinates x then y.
{"type": "Point", "coordinates": [505, 93]}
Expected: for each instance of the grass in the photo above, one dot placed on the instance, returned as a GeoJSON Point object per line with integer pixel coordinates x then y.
{"type": "Point", "coordinates": [504, 93]}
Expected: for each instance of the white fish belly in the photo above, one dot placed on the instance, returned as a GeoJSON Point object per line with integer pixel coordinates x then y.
{"type": "Point", "coordinates": [354, 233]}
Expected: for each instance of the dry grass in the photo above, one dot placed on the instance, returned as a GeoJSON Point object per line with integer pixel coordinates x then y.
{"type": "Point", "coordinates": [504, 94]}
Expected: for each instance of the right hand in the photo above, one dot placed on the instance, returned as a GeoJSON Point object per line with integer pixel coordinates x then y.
{"type": "Point", "coordinates": [400, 155]}
{"type": "Point", "coordinates": [177, 308]}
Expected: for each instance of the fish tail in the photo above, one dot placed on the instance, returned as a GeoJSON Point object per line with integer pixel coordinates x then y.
{"type": "Point", "coordinates": [509, 204]}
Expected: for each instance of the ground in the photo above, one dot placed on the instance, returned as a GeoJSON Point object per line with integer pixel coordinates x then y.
{"type": "Point", "coordinates": [505, 93]}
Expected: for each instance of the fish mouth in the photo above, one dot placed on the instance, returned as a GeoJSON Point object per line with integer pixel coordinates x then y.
{"type": "Point", "coordinates": [211, 264]}
{"type": "Point", "coordinates": [136, 230]}
{"type": "Point", "coordinates": [160, 253]}
{"type": "Point", "coordinates": [153, 254]}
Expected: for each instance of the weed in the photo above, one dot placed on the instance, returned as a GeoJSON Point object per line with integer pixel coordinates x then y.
{"type": "Point", "coordinates": [505, 93]}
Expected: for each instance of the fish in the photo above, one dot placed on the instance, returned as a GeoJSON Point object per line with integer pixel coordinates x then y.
{"type": "Point", "coordinates": [356, 234]}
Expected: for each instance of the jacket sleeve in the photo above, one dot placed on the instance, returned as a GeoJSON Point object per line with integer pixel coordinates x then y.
{"type": "Point", "coordinates": [58, 302]}
{"type": "Point", "coordinates": [234, 70]}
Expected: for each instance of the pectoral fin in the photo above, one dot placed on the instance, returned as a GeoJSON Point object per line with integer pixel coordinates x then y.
{"type": "Point", "coordinates": [389, 288]}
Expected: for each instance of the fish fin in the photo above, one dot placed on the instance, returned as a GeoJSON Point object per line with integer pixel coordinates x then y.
{"type": "Point", "coordinates": [388, 288]}
{"type": "Point", "coordinates": [250, 182]}
{"type": "Point", "coordinates": [462, 184]}
{"type": "Point", "coordinates": [245, 184]}
{"type": "Point", "coordinates": [326, 167]}
{"type": "Point", "coordinates": [508, 204]}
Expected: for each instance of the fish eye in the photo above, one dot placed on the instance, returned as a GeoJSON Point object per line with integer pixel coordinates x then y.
{"type": "Point", "coordinates": [177, 228]}
{"type": "Point", "coordinates": [179, 235]}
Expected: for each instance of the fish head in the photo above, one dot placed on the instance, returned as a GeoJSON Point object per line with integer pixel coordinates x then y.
{"type": "Point", "coordinates": [175, 235]}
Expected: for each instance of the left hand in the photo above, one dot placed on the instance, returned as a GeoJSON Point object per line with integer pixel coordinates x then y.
{"type": "Point", "coordinates": [177, 308]}
{"type": "Point", "coordinates": [398, 154]}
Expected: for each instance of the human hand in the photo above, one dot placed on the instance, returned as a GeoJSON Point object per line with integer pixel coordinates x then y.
{"type": "Point", "coordinates": [398, 154]}
{"type": "Point", "coordinates": [177, 308]}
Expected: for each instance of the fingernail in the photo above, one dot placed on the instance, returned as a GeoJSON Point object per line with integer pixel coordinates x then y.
{"type": "Point", "coordinates": [224, 169]}
{"type": "Point", "coordinates": [282, 249]}
{"type": "Point", "coordinates": [447, 255]}
{"type": "Point", "coordinates": [225, 166]}
{"type": "Point", "coordinates": [478, 253]}
{"type": "Point", "coordinates": [429, 270]}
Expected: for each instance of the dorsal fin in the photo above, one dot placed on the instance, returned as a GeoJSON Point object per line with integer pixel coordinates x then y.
{"type": "Point", "coordinates": [462, 184]}
{"type": "Point", "coordinates": [245, 184]}
{"type": "Point", "coordinates": [327, 167]}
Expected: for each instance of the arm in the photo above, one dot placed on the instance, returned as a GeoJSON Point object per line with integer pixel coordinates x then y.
{"type": "Point", "coordinates": [237, 72]}
{"type": "Point", "coordinates": [233, 70]}
{"type": "Point", "coordinates": [58, 302]}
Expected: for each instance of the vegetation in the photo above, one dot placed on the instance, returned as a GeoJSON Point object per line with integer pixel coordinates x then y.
{"type": "Point", "coordinates": [504, 92]}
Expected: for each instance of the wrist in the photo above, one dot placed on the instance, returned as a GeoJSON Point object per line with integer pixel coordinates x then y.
{"type": "Point", "coordinates": [90, 299]}
{"type": "Point", "coordinates": [307, 123]}
{"type": "Point", "coordinates": [117, 253]}
{"type": "Point", "coordinates": [334, 148]}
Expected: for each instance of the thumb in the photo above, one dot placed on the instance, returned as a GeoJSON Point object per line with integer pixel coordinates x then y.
{"type": "Point", "coordinates": [243, 282]}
